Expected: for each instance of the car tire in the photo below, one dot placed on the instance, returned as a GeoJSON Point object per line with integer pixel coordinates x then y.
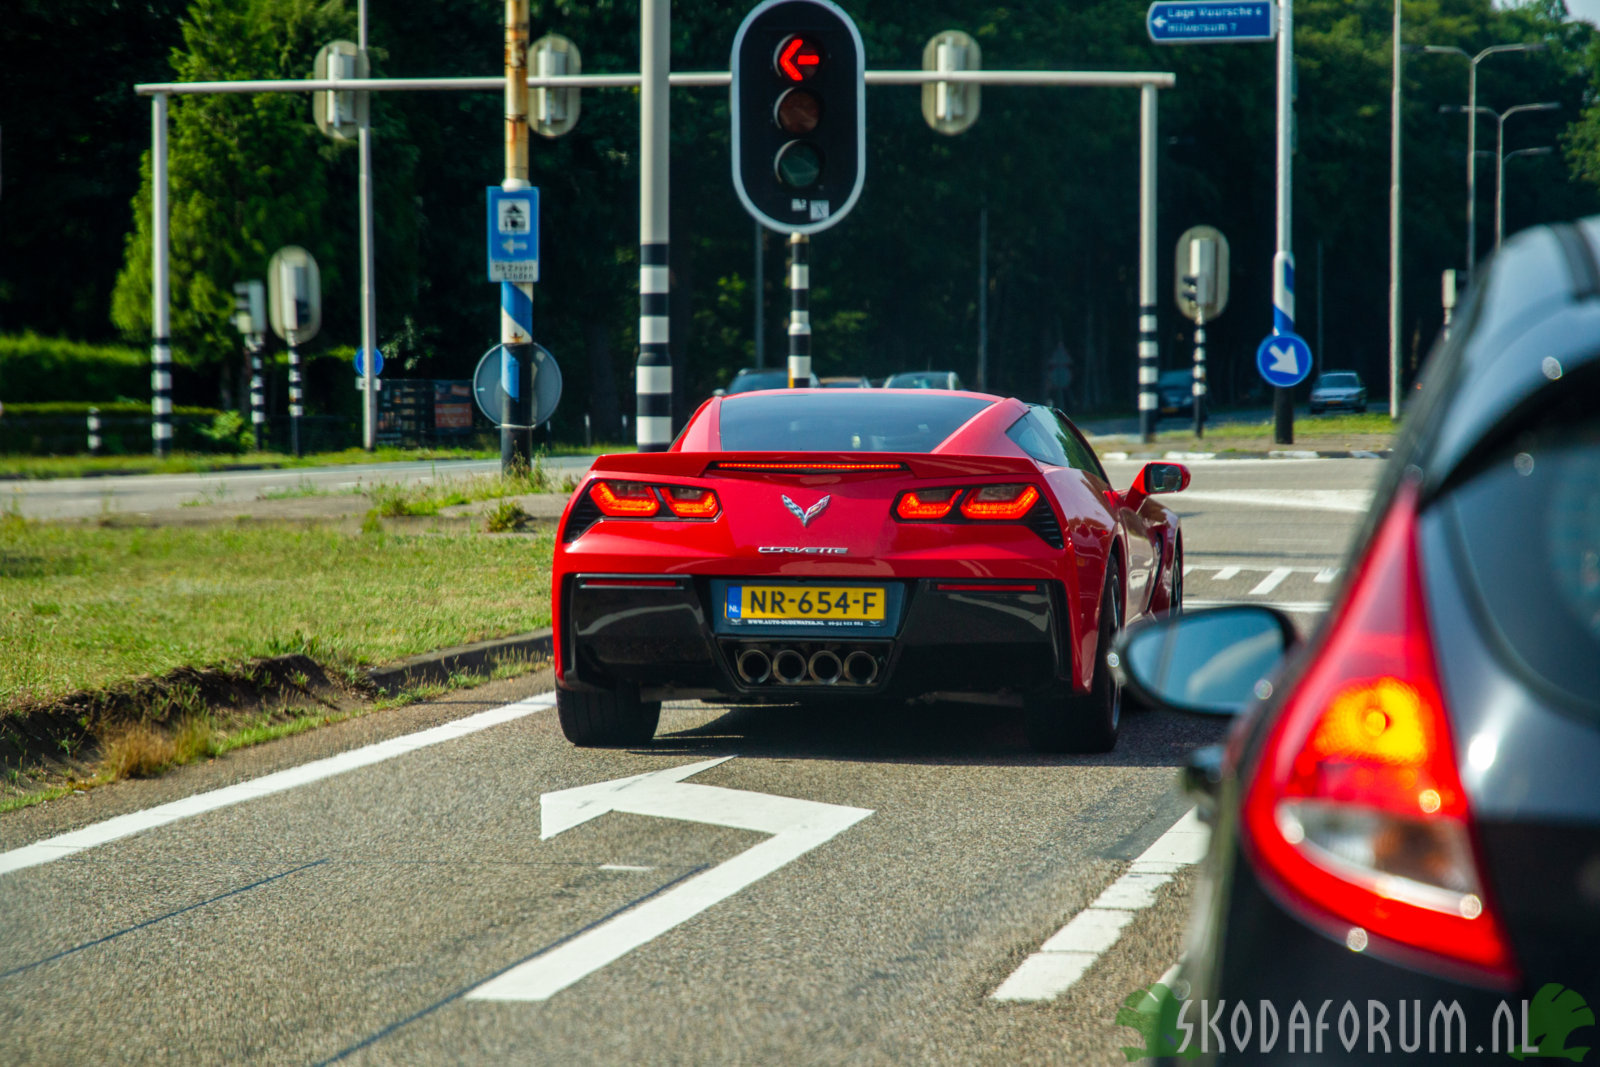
{"type": "Point", "coordinates": [607, 718]}
{"type": "Point", "coordinates": [1083, 722]}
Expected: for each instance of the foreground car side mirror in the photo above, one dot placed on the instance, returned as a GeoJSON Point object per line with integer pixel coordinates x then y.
{"type": "Point", "coordinates": [1210, 662]}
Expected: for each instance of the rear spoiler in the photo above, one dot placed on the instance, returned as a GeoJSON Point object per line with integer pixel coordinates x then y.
{"type": "Point", "coordinates": [794, 464]}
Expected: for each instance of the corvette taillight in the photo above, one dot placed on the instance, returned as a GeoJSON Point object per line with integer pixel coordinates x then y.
{"type": "Point", "coordinates": [1005, 503]}
{"type": "Point", "coordinates": [926, 505]}
{"type": "Point", "coordinates": [624, 500]}
{"type": "Point", "coordinates": [1357, 812]}
{"type": "Point", "coordinates": [690, 503]}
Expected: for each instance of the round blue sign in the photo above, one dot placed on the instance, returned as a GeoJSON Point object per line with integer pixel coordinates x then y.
{"type": "Point", "coordinates": [1284, 359]}
{"type": "Point", "coordinates": [361, 363]}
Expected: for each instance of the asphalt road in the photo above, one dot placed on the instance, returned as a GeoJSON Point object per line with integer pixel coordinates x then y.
{"type": "Point", "coordinates": [841, 887]}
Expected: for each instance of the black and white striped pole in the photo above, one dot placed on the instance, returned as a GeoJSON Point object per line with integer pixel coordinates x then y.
{"type": "Point", "coordinates": [296, 408]}
{"type": "Point", "coordinates": [1199, 390]}
{"type": "Point", "coordinates": [94, 431]}
{"type": "Point", "coordinates": [799, 311]}
{"type": "Point", "coordinates": [653, 373]}
{"type": "Point", "coordinates": [258, 394]}
{"type": "Point", "coordinates": [1149, 350]}
{"type": "Point", "coordinates": [161, 324]}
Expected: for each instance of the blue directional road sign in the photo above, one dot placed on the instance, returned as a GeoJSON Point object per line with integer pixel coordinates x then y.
{"type": "Point", "coordinates": [1187, 22]}
{"type": "Point", "coordinates": [513, 235]}
{"type": "Point", "coordinates": [1284, 359]}
{"type": "Point", "coordinates": [361, 363]}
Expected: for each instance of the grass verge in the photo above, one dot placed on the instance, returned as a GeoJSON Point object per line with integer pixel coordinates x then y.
{"type": "Point", "coordinates": [15, 466]}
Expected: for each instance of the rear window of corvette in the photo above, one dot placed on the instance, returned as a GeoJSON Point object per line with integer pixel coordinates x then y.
{"type": "Point", "coordinates": [860, 421]}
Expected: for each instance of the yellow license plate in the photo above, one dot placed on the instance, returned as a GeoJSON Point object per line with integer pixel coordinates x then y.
{"type": "Point", "coordinates": [807, 602]}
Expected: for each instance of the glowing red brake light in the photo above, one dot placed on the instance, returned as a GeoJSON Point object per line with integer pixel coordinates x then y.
{"type": "Point", "coordinates": [1006, 503]}
{"type": "Point", "coordinates": [925, 505]}
{"type": "Point", "coordinates": [624, 500]}
{"type": "Point", "coordinates": [1356, 811]}
{"type": "Point", "coordinates": [690, 503]}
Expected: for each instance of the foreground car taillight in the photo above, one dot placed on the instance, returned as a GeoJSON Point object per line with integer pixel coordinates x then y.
{"type": "Point", "coordinates": [1356, 811]}
{"type": "Point", "coordinates": [1006, 503]}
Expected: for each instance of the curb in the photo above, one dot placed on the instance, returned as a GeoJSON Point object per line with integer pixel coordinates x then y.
{"type": "Point", "coordinates": [1274, 454]}
{"type": "Point", "coordinates": [477, 658]}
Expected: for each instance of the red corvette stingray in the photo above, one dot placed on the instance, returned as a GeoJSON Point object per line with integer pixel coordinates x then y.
{"type": "Point", "coordinates": [809, 544]}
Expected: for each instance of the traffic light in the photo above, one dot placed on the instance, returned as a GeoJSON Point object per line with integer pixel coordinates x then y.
{"type": "Point", "coordinates": [799, 114]}
{"type": "Point", "coordinates": [250, 307]}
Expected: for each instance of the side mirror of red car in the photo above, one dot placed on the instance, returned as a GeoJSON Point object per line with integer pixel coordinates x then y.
{"type": "Point", "coordinates": [1156, 478]}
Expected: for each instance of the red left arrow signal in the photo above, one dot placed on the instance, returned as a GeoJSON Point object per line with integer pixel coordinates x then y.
{"type": "Point", "coordinates": [798, 58]}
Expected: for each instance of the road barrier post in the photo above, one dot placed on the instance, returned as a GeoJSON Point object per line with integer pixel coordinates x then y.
{"type": "Point", "coordinates": [799, 311]}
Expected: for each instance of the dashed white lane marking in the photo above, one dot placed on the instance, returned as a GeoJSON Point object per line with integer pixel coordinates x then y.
{"type": "Point", "coordinates": [1271, 581]}
{"type": "Point", "coordinates": [624, 867]}
{"type": "Point", "coordinates": [1326, 575]}
{"type": "Point", "coordinates": [100, 833]}
{"type": "Point", "coordinates": [1073, 949]}
{"type": "Point", "coordinates": [1225, 574]}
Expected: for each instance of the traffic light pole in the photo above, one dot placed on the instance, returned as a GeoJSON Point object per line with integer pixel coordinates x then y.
{"type": "Point", "coordinates": [258, 397]}
{"type": "Point", "coordinates": [653, 426]}
{"type": "Point", "coordinates": [161, 309]}
{"type": "Point", "coordinates": [799, 311]}
{"type": "Point", "coordinates": [369, 305]}
{"type": "Point", "coordinates": [294, 400]}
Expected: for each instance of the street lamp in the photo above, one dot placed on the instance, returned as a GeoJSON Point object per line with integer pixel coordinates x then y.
{"type": "Point", "coordinates": [1499, 153]}
{"type": "Point", "coordinates": [1500, 206]}
{"type": "Point", "coordinates": [1472, 128]}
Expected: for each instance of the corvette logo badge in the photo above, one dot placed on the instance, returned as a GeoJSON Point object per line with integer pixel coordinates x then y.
{"type": "Point", "coordinates": [808, 514]}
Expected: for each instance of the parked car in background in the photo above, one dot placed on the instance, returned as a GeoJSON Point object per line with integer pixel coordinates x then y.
{"type": "Point", "coordinates": [749, 380]}
{"type": "Point", "coordinates": [852, 381]}
{"type": "Point", "coordinates": [1409, 812]}
{"type": "Point", "coordinates": [924, 379]}
{"type": "Point", "coordinates": [1175, 391]}
{"type": "Point", "coordinates": [1338, 390]}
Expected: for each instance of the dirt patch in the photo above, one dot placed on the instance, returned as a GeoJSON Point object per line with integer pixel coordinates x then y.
{"type": "Point", "coordinates": [140, 728]}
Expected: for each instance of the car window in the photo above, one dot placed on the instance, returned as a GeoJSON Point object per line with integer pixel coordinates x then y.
{"type": "Point", "coordinates": [1176, 377]}
{"type": "Point", "coordinates": [843, 420]}
{"type": "Point", "coordinates": [1036, 440]}
{"type": "Point", "coordinates": [1080, 455]}
{"type": "Point", "coordinates": [1339, 381]}
{"type": "Point", "coordinates": [1529, 521]}
{"type": "Point", "coordinates": [750, 381]}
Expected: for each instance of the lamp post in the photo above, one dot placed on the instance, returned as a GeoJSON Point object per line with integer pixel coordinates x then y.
{"type": "Point", "coordinates": [1472, 128]}
{"type": "Point", "coordinates": [1500, 200]}
{"type": "Point", "coordinates": [1499, 153]}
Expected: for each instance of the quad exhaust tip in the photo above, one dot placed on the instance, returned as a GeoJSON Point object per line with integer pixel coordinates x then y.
{"type": "Point", "coordinates": [860, 668]}
{"type": "Point", "coordinates": [825, 667]}
{"type": "Point", "coordinates": [789, 667]}
{"type": "Point", "coordinates": [754, 666]}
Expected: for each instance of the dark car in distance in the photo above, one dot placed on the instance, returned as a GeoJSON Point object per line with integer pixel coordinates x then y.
{"type": "Point", "coordinates": [750, 380]}
{"type": "Point", "coordinates": [1408, 807]}
{"type": "Point", "coordinates": [1175, 393]}
{"type": "Point", "coordinates": [924, 379]}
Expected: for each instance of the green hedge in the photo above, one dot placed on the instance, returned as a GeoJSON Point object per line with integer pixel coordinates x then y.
{"type": "Point", "coordinates": [80, 409]}
{"type": "Point", "coordinates": [36, 369]}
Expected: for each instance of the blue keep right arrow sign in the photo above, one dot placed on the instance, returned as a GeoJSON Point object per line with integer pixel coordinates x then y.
{"type": "Point", "coordinates": [1284, 359]}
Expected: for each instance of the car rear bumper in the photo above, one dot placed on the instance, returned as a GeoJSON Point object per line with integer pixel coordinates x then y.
{"type": "Point", "coordinates": [672, 638]}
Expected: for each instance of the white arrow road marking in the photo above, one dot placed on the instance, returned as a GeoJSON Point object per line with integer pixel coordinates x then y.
{"type": "Point", "coordinates": [797, 826]}
{"type": "Point", "coordinates": [1283, 359]}
{"type": "Point", "coordinates": [1073, 949]}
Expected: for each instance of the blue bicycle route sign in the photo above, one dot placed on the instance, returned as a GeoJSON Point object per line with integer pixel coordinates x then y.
{"type": "Point", "coordinates": [1185, 22]}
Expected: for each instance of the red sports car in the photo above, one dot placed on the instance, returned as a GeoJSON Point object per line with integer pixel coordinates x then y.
{"type": "Point", "coordinates": [807, 544]}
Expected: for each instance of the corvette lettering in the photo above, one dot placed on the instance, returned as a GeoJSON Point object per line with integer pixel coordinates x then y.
{"type": "Point", "coordinates": [788, 550]}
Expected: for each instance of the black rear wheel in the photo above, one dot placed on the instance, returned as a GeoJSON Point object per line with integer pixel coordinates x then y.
{"type": "Point", "coordinates": [607, 719]}
{"type": "Point", "coordinates": [1084, 722]}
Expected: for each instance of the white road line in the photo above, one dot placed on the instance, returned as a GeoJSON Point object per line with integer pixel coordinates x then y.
{"type": "Point", "coordinates": [1271, 581]}
{"type": "Point", "coordinates": [100, 833]}
{"type": "Point", "coordinates": [1293, 607]}
{"type": "Point", "coordinates": [1326, 575]}
{"type": "Point", "coordinates": [1357, 501]}
{"type": "Point", "coordinates": [1225, 574]}
{"type": "Point", "coordinates": [1187, 567]}
{"type": "Point", "coordinates": [623, 867]}
{"type": "Point", "coordinates": [1073, 949]}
